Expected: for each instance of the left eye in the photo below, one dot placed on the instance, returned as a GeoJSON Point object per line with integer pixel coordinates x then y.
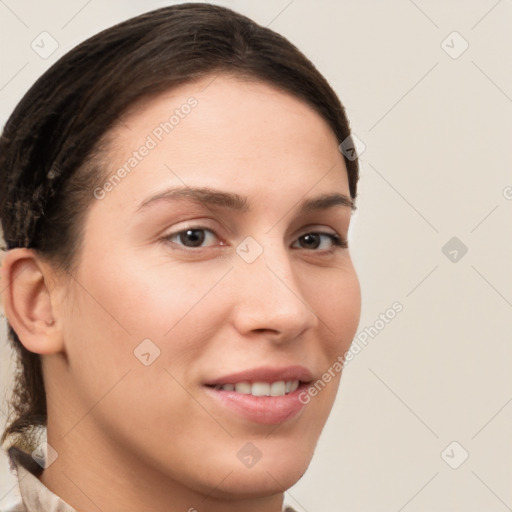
{"type": "Point", "coordinates": [319, 241]}
{"type": "Point", "coordinates": [192, 237]}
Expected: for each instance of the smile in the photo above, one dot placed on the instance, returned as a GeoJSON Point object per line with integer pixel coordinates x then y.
{"type": "Point", "coordinates": [278, 388]}
{"type": "Point", "coordinates": [261, 395]}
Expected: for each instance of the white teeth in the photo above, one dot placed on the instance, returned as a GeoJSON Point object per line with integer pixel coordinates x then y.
{"type": "Point", "coordinates": [260, 389]}
{"type": "Point", "coordinates": [278, 388]}
{"type": "Point", "coordinates": [243, 387]}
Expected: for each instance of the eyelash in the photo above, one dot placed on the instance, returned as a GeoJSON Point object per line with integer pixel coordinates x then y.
{"type": "Point", "coordinates": [337, 242]}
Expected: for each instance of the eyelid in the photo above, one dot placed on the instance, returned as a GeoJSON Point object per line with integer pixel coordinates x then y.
{"type": "Point", "coordinates": [337, 240]}
{"type": "Point", "coordinates": [198, 223]}
{"type": "Point", "coordinates": [321, 229]}
{"type": "Point", "coordinates": [167, 238]}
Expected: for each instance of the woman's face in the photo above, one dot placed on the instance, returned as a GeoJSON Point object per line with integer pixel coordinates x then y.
{"type": "Point", "coordinates": [212, 260]}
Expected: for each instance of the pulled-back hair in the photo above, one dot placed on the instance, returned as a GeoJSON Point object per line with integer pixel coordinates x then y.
{"type": "Point", "coordinates": [50, 149]}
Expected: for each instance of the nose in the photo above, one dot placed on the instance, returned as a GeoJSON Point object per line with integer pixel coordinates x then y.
{"type": "Point", "coordinates": [270, 300]}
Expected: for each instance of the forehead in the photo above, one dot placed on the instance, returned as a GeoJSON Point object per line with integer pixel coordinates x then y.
{"type": "Point", "coordinates": [222, 131]}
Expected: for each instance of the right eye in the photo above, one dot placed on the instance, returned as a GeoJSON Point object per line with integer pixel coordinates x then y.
{"type": "Point", "coordinates": [192, 237]}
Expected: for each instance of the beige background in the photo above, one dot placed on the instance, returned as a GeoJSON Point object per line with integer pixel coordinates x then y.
{"type": "Point", "coordinates": [437, 164]}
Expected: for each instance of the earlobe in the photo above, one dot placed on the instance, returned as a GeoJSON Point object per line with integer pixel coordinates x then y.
{"type": "Point", "coordinates": [26, 299]}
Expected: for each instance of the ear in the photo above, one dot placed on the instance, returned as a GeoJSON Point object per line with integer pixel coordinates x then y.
{"type": "Point", "coordinates": [27, 301]}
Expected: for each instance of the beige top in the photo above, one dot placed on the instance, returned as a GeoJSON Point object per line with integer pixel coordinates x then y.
{"type": "Point", "coordinates": [33, 495]}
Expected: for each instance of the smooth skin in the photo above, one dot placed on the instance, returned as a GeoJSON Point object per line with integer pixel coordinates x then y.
{"type": "Point", "coordinates": [132, 437]}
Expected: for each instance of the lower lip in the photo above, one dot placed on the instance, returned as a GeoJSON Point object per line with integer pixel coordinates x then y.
{"type": "Point", "coordinates": [267, 410]}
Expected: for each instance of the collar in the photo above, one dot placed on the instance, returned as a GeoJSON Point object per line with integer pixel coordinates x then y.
{"type": "Point", "coordinates": [34, 494]}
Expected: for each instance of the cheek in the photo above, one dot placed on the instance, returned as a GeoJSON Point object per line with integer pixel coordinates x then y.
{"type": "Point", "coordinates": [336, 299]}
{"type": "Point", "coordinates": [113, 311]}
{"type": "Point", "coordinates": [150, 296]}
{"type": "Point", "coordinates": [121, 303]}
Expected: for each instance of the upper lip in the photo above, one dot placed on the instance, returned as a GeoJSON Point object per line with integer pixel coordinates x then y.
{"type": "Point", "coordinates": [265, 374]}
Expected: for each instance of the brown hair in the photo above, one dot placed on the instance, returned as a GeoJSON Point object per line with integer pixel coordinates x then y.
{"type": "Point", "coordinates": [51, 144]}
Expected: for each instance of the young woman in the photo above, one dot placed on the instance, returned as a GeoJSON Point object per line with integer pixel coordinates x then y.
{"type": "Point", "coordinates": [177, 283]}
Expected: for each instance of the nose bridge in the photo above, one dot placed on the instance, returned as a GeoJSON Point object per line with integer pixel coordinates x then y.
{"type": "Point", "coordinates": [270, 298]}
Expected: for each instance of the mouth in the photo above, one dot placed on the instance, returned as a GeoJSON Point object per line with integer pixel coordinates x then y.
{"type": "Point", "coordinates": [261, 395]}
{"type": "Point", "coordinates": [277, 388]}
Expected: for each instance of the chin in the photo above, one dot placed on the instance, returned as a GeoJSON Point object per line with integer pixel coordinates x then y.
{"type": "Point", "coordinates": [272, 470]}
{"type": "Point", "coordinates": [261, 480]}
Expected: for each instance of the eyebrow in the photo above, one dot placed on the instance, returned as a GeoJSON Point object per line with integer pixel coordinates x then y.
{"type": "Point", "coordinates": [234, 201]}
